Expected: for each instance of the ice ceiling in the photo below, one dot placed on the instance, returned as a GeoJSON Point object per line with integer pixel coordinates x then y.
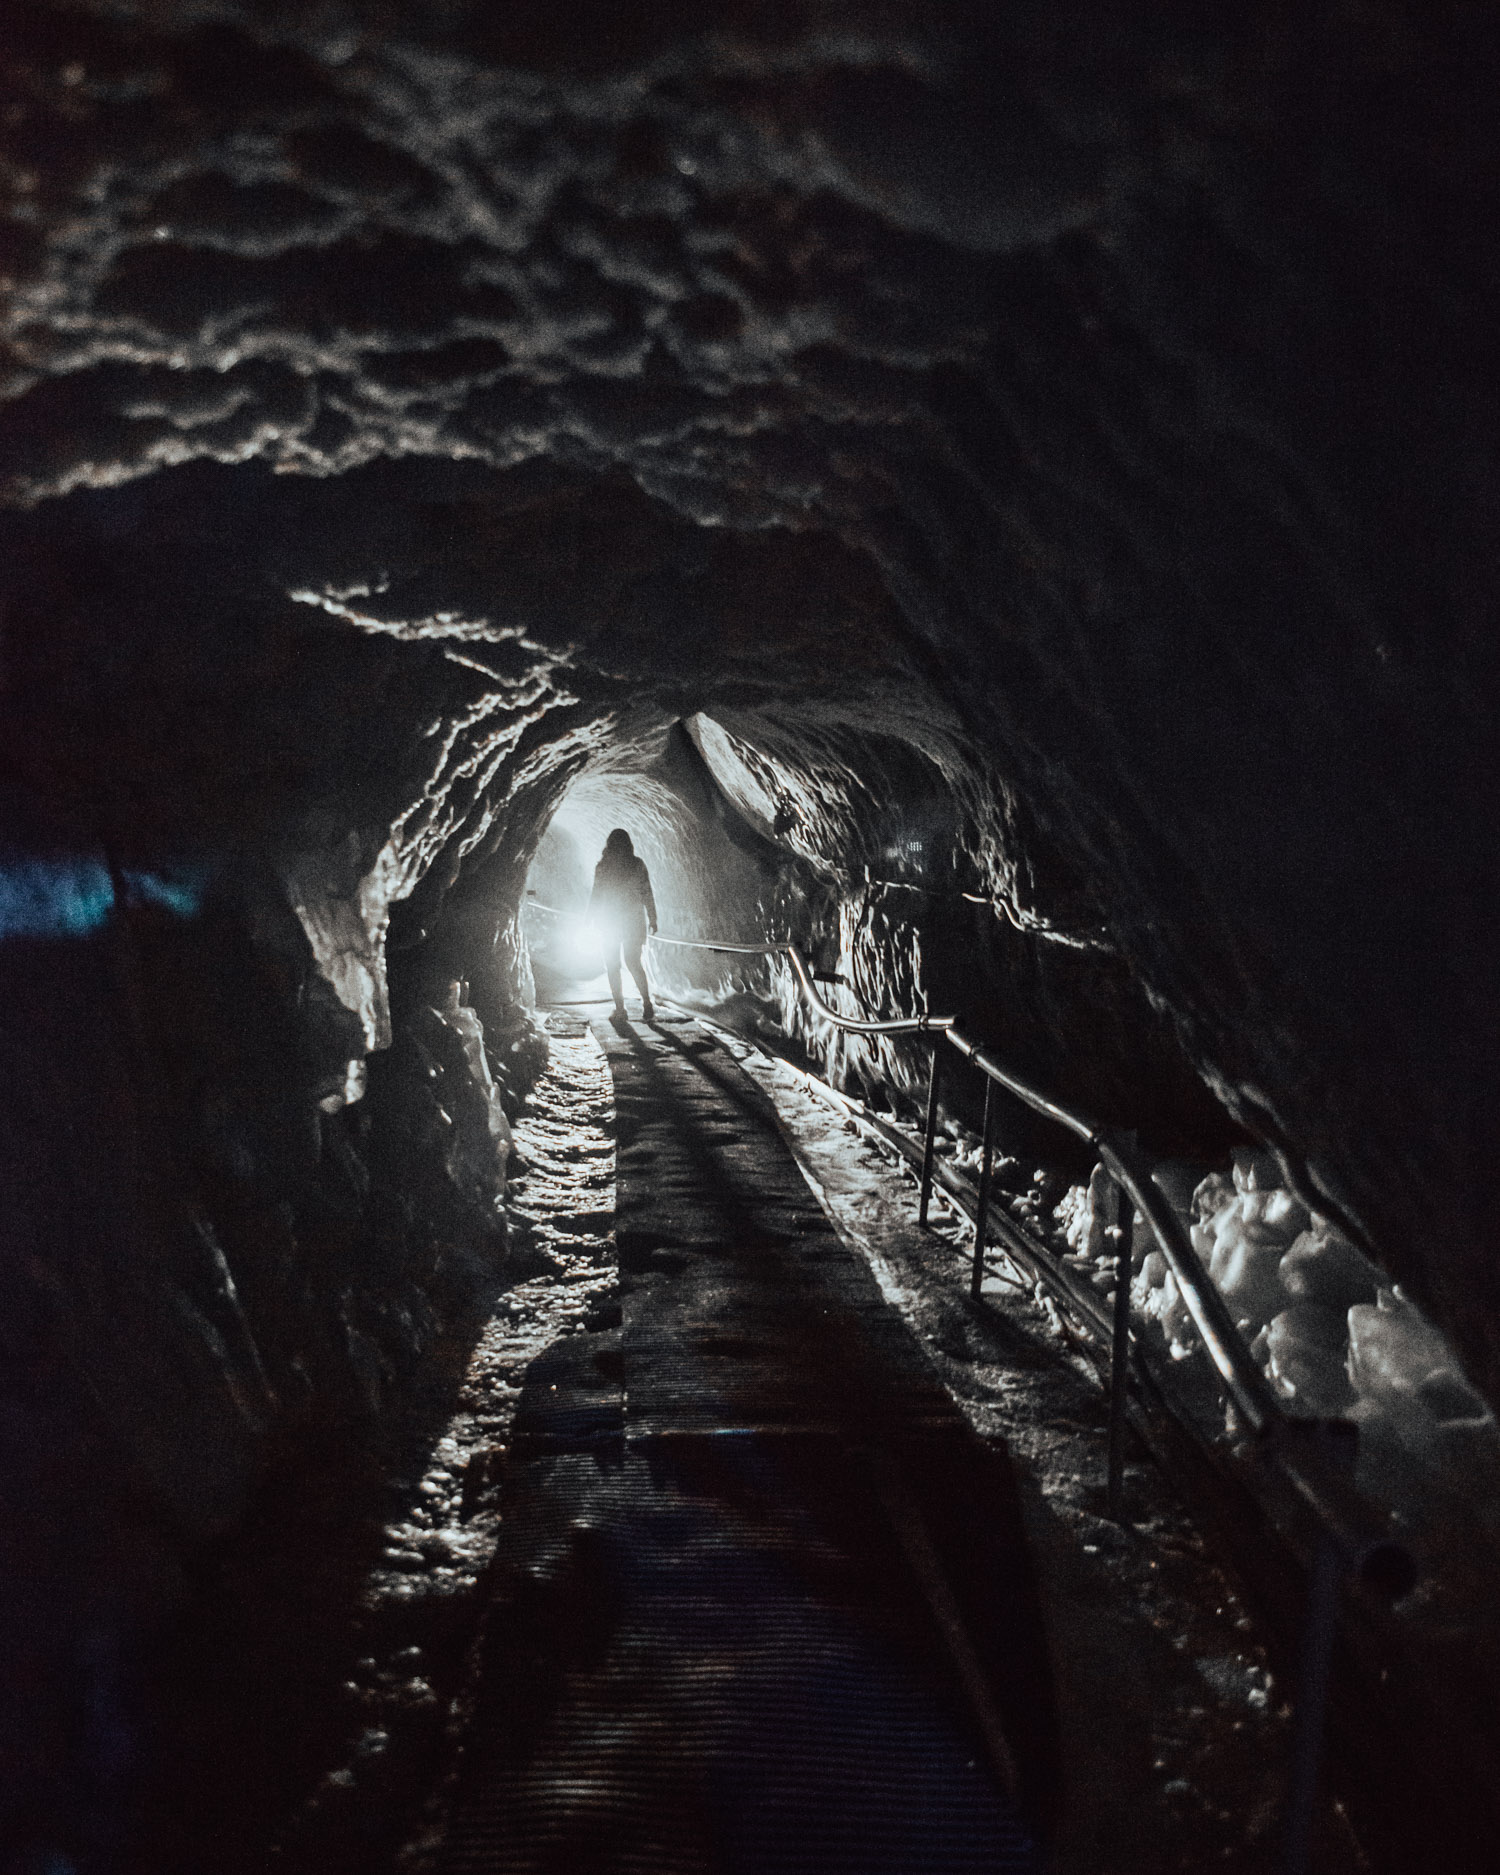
{"type": "Point", "coordinates": [1078, 416]}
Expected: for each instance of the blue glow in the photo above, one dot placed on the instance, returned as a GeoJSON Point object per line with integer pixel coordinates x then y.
{"type": "Point", "coordinates": [181, 895]}
{"type": "Point", "coordinates": [62, 898]}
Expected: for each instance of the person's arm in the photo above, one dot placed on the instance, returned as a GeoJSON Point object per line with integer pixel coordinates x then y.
{"type": "Point", "coordinates": [647, 899]}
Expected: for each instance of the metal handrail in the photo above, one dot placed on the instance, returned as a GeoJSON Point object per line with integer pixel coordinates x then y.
{"type": "Point", "coordinates": [899, 1025]}
{"type": "Point", "coordinates": [1313, 1457]}
{"type": "Point", "coordinates": [1320, 1481]}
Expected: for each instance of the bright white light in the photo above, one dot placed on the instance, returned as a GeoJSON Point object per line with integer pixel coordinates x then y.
{"type": "Point", "coordinates": [568, 943]}
{"type": "Point", "coordinates": [581, 947]}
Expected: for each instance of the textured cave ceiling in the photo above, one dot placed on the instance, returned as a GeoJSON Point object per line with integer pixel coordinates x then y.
{"type": "Point", "coordinates": [403, 404]}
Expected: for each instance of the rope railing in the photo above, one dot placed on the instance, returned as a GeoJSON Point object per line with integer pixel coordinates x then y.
{"type": "Point", "coordinates": [1313, 1457]}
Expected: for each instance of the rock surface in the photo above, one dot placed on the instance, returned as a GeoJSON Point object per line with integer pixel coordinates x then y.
{"type": "Point", "coordinates": [1124, 396]}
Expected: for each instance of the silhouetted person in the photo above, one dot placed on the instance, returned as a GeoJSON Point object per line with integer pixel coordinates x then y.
{"type": "Point", "coordinates": [622, 909]}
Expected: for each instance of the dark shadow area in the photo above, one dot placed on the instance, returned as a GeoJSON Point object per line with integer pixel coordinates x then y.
{"type": "Point", "coordinates": [247, 1704]}
{"type": "Point", "coordinates": [198, 1471]}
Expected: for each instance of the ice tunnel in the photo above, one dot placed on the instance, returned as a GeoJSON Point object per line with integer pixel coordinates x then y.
{"type": "Point", "coordinates": [998, 495]}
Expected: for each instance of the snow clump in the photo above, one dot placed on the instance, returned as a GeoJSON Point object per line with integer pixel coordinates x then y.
{"type": "Point", "coordinates": [1331, 1337]}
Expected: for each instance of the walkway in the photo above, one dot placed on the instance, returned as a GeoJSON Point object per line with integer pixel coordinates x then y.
{"type": "Point", "coordinates": [761, 1602]}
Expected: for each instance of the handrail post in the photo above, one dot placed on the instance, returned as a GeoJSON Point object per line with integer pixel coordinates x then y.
{"type": "Point", "coordinates": [1119, 1363]}
{"type": "Point", "coordinates": [986, 1166]}
{"type": "Point", "coordinates": [1320, 1625]}
{"type": "Point", "coordinates": [930, 1144]}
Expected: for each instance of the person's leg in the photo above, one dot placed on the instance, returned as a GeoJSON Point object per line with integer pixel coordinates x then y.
{"type": "Point", "coordinates": [612, 971]}
{"type": "Point", "coordinates": [638, 971]}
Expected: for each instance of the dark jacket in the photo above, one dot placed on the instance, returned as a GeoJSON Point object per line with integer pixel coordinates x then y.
{"type": "Point", "coordinates": [621, 899]}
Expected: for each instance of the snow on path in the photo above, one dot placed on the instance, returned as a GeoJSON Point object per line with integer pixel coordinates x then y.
{"type": "Point", "coordinates": [421, 1599]}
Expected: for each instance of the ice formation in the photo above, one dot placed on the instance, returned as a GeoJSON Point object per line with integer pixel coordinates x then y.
{"type": "Point", "coordinates": [481, 1140]}
{"type": "Point", "coordinates": [1332, 1337]}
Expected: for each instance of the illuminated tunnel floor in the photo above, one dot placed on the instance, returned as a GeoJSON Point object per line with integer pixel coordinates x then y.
{"type": "Point", "coordinates": [762, 1602]}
